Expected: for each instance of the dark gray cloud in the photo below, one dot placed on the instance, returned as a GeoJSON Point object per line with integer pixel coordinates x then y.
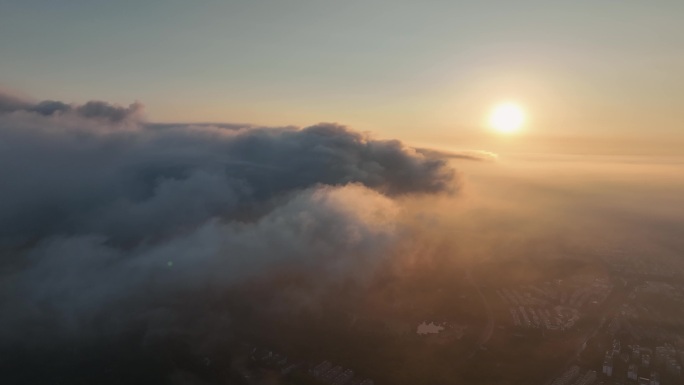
{"type": "Point", "coordinates": [98, 109]}
{"type": "Point", "coordinates": [92, 109]}
{"type": "Point", "coordinates": [74, 176]}
{"type": "Point", "coordinates": [106, 219]}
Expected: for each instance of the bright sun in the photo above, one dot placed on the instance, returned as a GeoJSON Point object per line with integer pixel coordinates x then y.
{"type": "Point", "coordinates": [507, 118]}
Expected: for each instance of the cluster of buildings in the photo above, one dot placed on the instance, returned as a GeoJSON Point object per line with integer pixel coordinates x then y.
{"type": "Point", "coordinates": [337, 375]}
{"type": "Point", "coordinates": [576, 294]}
{"type": "Point", "coordinates": [552, 306]}
{"type": "Point", "coordinates": [555, 319]}
{"type": "Point", "coordinates": [643, 365]}
{"type": "Point", "coordinates": [575, 376]}
{"type": "Point", "coordinates": [325, 371]}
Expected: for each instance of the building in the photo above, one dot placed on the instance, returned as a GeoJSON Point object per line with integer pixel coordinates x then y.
{"type": "Point", "coordinates": [636, 353]}
{"type": "Point", "coordinates": [616, 346]}
{"type": "Point", "coordinates": [673, 367]}
{"type": "Point", "coordinates": [646, 360]}
{"type": "Point", "coordinates": [608, 368]}
{"type": "Point", "coordinates": [655, 378]}
{"type": "Point", "coordinates": [633, 372]}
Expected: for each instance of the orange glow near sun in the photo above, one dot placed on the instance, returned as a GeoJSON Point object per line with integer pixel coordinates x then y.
{"type": "Point", "coordinates": [507, 118]}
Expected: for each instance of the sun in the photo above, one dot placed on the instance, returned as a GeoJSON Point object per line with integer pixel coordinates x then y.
{"type": "Point", "coordinates": [507, 118]}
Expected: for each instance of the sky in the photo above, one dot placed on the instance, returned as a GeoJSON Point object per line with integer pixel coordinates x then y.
{"type": "Point", "coordinates": [427, 72]}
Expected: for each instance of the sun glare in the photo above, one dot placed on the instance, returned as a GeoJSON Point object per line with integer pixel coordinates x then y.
{"type": "Point", "coordinates": [507, 118]}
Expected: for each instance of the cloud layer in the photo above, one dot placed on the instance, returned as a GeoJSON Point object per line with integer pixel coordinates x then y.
{"type": "Point", "coordinates": [103, 213]}
{"type": "Point", "coordinates": [93, 109]}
